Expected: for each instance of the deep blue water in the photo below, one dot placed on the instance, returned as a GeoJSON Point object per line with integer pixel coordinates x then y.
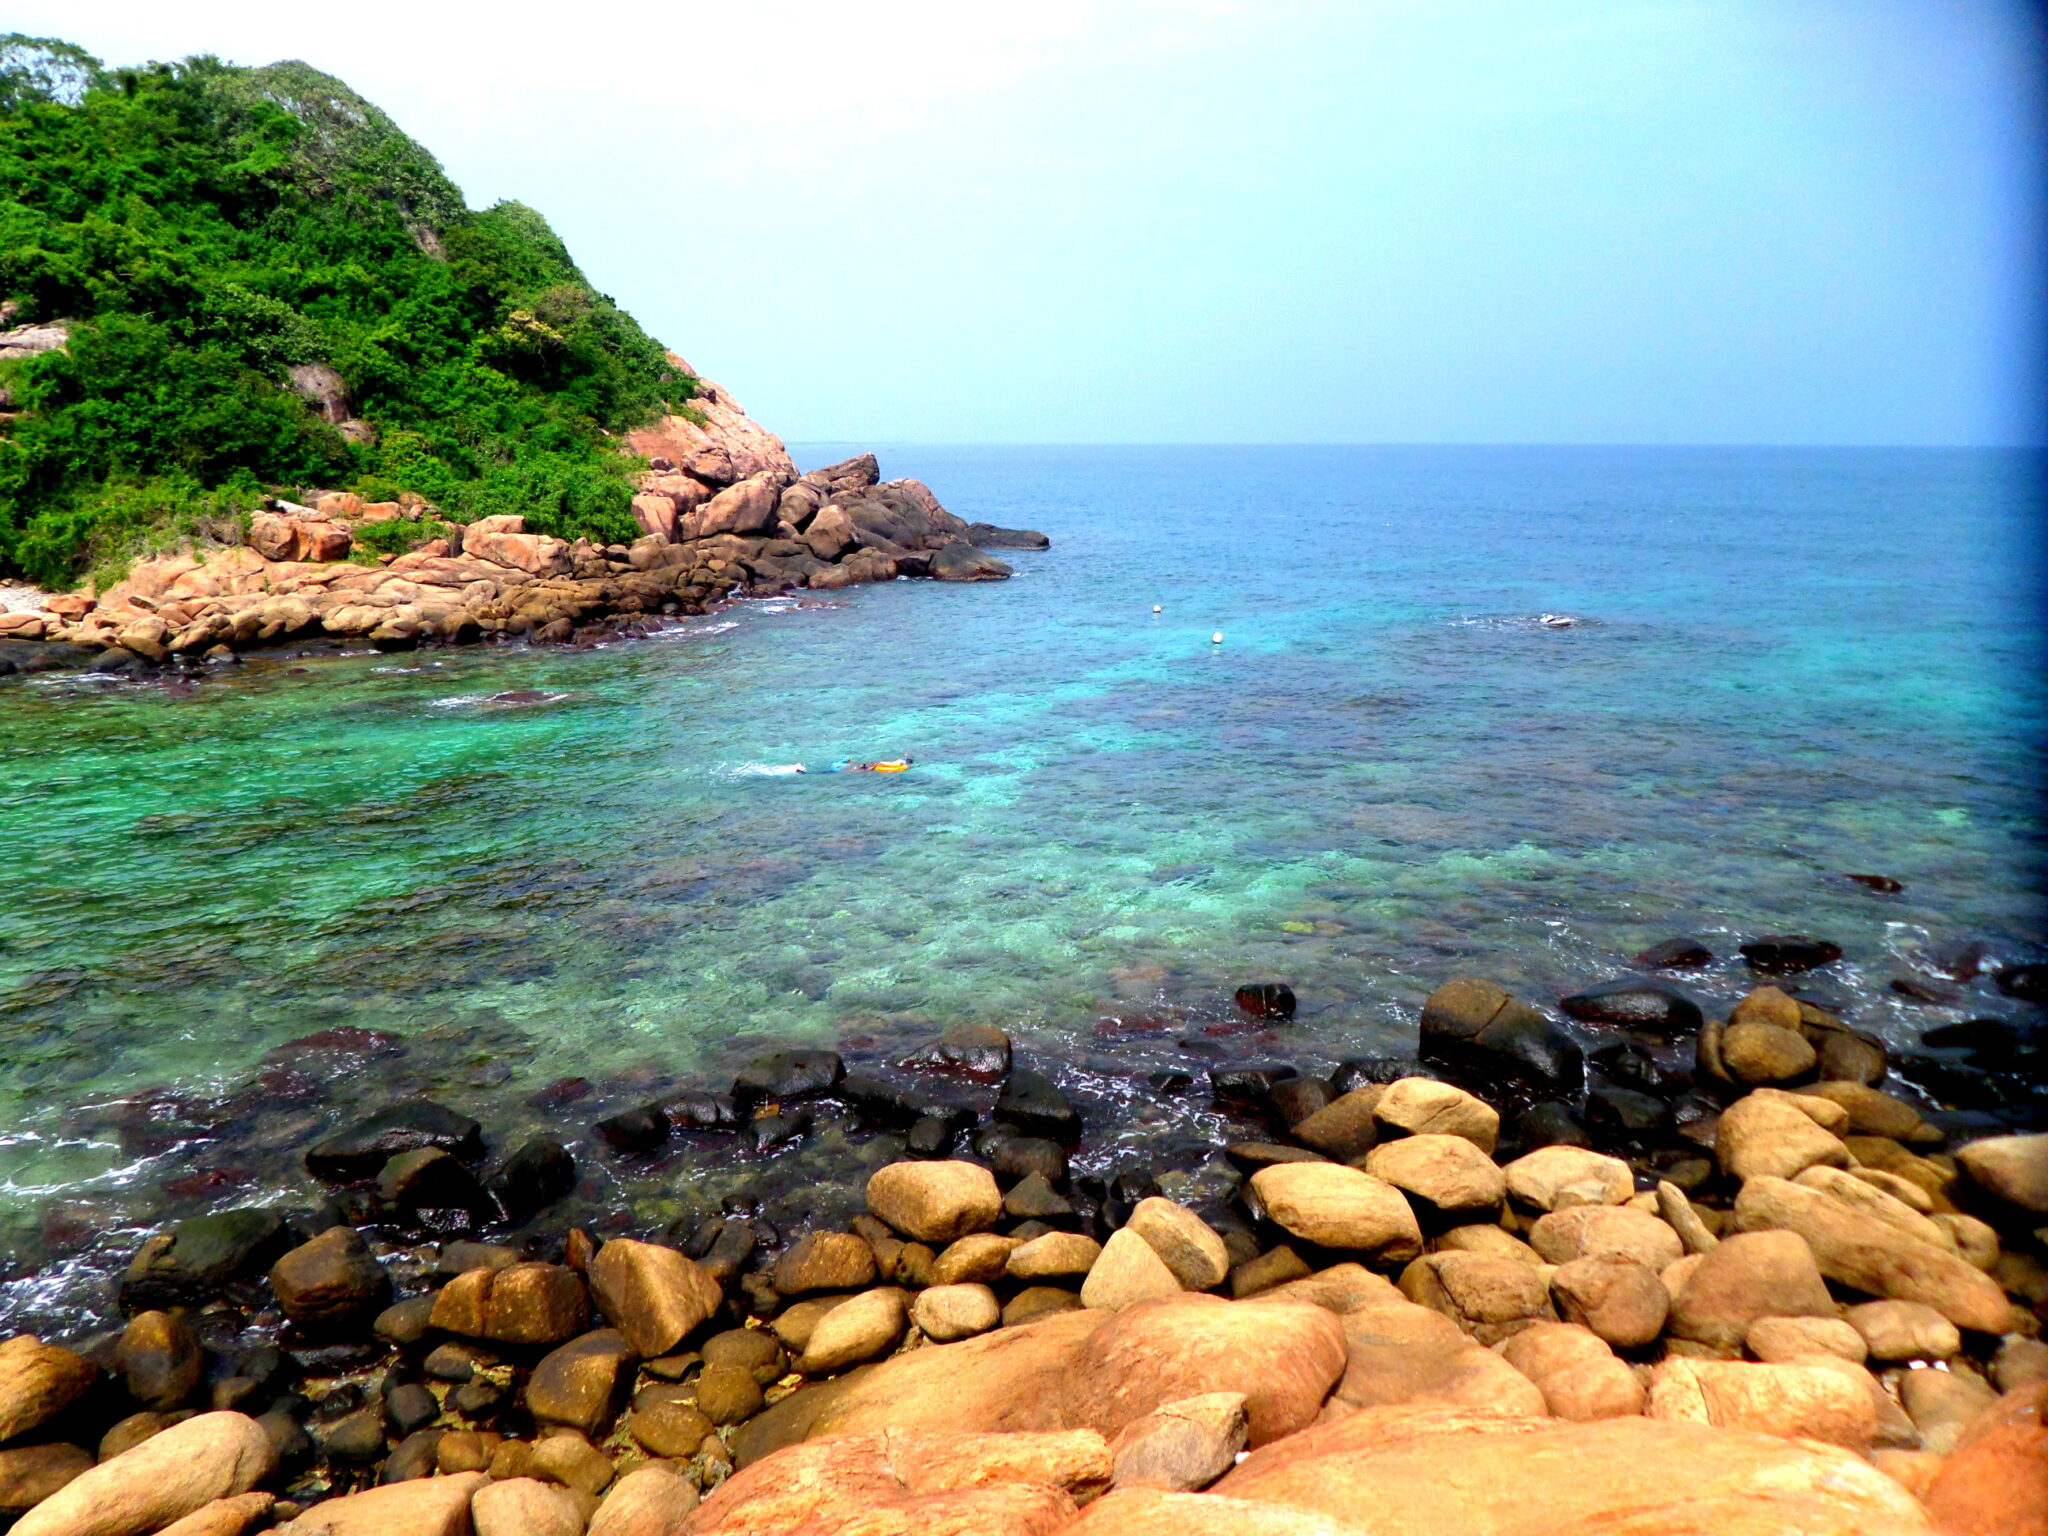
{"type": "Point", "coordinates": [1788, 666]}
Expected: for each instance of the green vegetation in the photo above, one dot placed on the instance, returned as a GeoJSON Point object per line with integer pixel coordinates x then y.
{"type": "Point", "coordinates": [210, 231]}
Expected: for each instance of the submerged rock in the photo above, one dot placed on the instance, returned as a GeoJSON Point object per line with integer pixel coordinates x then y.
{"type": "Point", "coordinates": [1789, 954]}
{"type": "Point", "coordinates": [362, 1149]}
{"type": "Point", "coordinates": [1636, 1003]}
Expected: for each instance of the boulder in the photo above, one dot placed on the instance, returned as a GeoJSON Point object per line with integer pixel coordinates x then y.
{"type": "Point", "coordinates": [948, 1312]}
{"type": "Point", "coordinates": [1128, 1270]}
{"type": "Point", "coordinates": [751, 507]}
{"type": "Point", "coordinates": [1398, 1352]}
{"type": "Point", "coordinates": [534, 553]}
{"type": "Point", "coordinates": [1487, 1297]}
{"type": "Point", "coordinates": [192, 1261]}
{"type": "Point", "coordinates": [1765, 1053]}
{"type": "Point", "coordinates": [654, 1296]}
{"type": "Point", "coordinates": [331, 1281]}
{"type": "Point", "coordinates": [1894, 1331]}
{"type": "Point", "coordinates": [1442, 1470]}
{"type": "Point", "coordinates": [1618, 1298]}
{"type": "Point", "coordinates": [518, 1304]}
{"type": "Point", "coordinates": [1344, 1128]}
{"type": "Point", "coordinates": [2014, 1168]}
{"type": "Point", "coordinates": [962, 561]}
{"type": "Point", "coordinates": [1578, 1375]}
{"type": "Point", "coordinates": [935, 1202]}
{"type": "Point", "coordinates": [224, 1517]}
{"type": "Point", "coordinates": [1479, 1027]}
{"type": "Point", "coordinates": [423, 1506]}
{"type": "Point", "coordinates": [1620, 1230]}
{"type": "Point", "coordinates": [1803, 1402]}
{"type": "Point", "coordinates": [1449, 1172]}
{"type": "Point", "coordinates": [1554, 1176]}
{"type": "Point", "coordinates": [29, 1474]}
{"type": "Point", "coordinates": [525, 1506]}
{"type": "Point", "coordinates": [1856, 1248]}
{"type": "Point", "coordinates": [977, 1258]}
{"type": "Point", "coordinates": [1747, 1277]}
{"type": "Point", "coordinates": [1636, 1003]}
{"type": "Point", "coordinates": [1995, 1482]}
{"type": "Point", "coordinates": [935, 1484]}
{"type": "Point", "coordinates": [360, 1151]}
{"type": "Point", "coordinates": [1415, 1106]}
{"type": "Point", "coordinates": [825, 1261]}
{"type": "Point", "coordinates": [583, 1383]}
{"type": "Point", "coordinates": [159, 1359]}
{"type": "Point", "coordinates": [1764, 1136]}
{"type": "Point", "coordinates": [648, 1501]}
{"type": "Point", "coordinates": [858, 1329]}
{"type": "Point", "coordinates": [1779, 1340]}
{"type": "Point", "coordinates": [1188, 1245]}
{"type": "Point", "coordinates": [1055, 1255]}
{"type": "Point", "coordinates": [168, 1476]}
{"type": "Point", "coordinates": [38, 1381]}
{"type": "Point", "coordinates": [1339, 1207]}
{"type": "Point", "coordinates": [1788, 954]}
{"type": "Point", "coordinates": [1180, 1446]}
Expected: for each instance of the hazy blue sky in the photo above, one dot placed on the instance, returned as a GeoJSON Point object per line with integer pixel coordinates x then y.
{"type": "Point", "coordinates": [1276, 220]}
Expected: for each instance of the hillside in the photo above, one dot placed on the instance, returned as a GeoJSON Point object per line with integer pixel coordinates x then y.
{"type": "Point", "coordinates": [226, 283]}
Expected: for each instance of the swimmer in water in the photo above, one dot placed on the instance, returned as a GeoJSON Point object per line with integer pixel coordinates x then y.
{"type": "Point", "coordinates": [766, 770]}
{"type": "Point", "coordinates": [890, 765]}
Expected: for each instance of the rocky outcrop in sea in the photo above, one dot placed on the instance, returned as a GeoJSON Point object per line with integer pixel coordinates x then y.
{"type": "Point", "coordinates": [1452, 1291]}
{"type": "Point", "coordinates": [723, 510]}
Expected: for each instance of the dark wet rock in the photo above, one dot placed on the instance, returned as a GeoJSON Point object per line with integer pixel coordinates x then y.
{"type": "Point", "coordinates": [1265, 1000]}
{"type": "Point", "coordinates": [354, 1439]}
{"type": "Point", "coordinates": [343, 1048]}
{"type": "Point", "coordinates": [931, 1137]}
{"type": "Point", "coordinates": [1629, 1066]}
{"type": "Point", "coordinates": [1032, 1198]}
{"type": "Point", "coordinates": [409, 1408]}
{"type": "Point", "coordinates": [1636, 1003]}
{"type": "Point", "coordinates": [1787, 954]}
{"type": "Point", "coordinates": [788, 1075]}
{"type": "Point", "coordinates": [1366, 1071]}
{"type": "Point", "coordinates": [1246, 1090]}
{"type": "Point", "coordinates": [159, 1359]}
{"type": "Point", "coordinates": [1033, 1103]}
{"type": "Point", "coordinates": [1479, 1028]}
{"type": "Point", "coordinates": [330, 1282]}
{"type": "Point", "coordinates": [287, 1437]}
{"type": "Point", "coordinates": [432, 1189]}
{"type": "Point", "coordinates": [1618, 1117]}
{"type": "Point", "coordinates": [1019, 1157]}
{"type": "Point", "coordinates": [405, 1322]}
{"type": "Point", "coordinates": [989, 536]}
{"type": "Point", "coordinates": [413, 1457]}
{"type": "Point", "coordinates": [900, 1104]}
{"type": "Point", "coordinates": [1294, 1099]}
{"type": "Point", "coordinates": [193, 1260]}
{"type": "Point", "coordinates": [480, 1398]}
{"type": "Point", "coordinates": [770, 1133]}
{"type": "Point", "coordinates": [1680, 954]}
{"type": "Point", "coordinates": [1882, 883]}
{"type": "Point", "coordinates": [1848, 1056]}
{"type": "Point", "coordinates": [978, 1052]}
{"type": "Point", "coordinates": [1919, 990]}
{"type": "Point", "coordinates": [533, 1178]}
{"type": "Point", "coordinates": [702, 1110]}
{"type": "Point", "coordinates": [634, 1130]}
{"type": "Point", "coordinates": [1169, 1081]}
{"type": "Point", "coordinates": [962, 561]}
{"type": "Point", "coordinates": [1992, 1036]}
{"type": "Point", "coordinates": [2028, 983]}
{"type": "Point", "coordinates": [1545, 1124]}
{"type": "Point", "coordinates": [1956, 1084]}
{"type": "Point", "coordinates": [363, 1148]}
{"type": "Point", "coordinates": [725, 1248]}
{"type": "Point", "coordinates": [561, 1093]}
{"type": "Point", "coordinates": [457, 1362]}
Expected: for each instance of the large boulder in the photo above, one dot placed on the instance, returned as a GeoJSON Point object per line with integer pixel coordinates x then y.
{"type": "Point", "coordinates": [1747, 1277]}
{"type": "Point", "coordinates": [422, 1506]}
{"type": "Point", "coordinates": [1638, 1004]}
{"type": "Point", "coordinates": [166, 1477]}
{"type": "Point", "coordinates": [1856, 1248]}
{"type": "Point", "coordinates": [934, 1483]}
{"type": "Point", "coordinates": [750, 507]}
{"type": "Point", "coordinates": [1339, 1207]}
{"type": "Point", "coordinates": [2014, 1168]}
{"type": "Point", "coordinates": [935, 1202]}
{"type": "Point", "coordinates": [654, 1296]}
{"type": "Point", "coordinates": [1480, 1027]}
{"type": "Point", "coordinates": [191, 1262]}
{"type": "Point", "coordinates": [1410, 1471]}
{"type": "Point", "coordinates": [38, 1381]}
{"type": "Point", "coordinates": [1797, 1401]}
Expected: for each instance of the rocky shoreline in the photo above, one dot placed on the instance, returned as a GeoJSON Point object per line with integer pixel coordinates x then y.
{"type": "Point", "coordinates": [1649, 1271]}
{"type": "Point", "coordinates": [722, 509]}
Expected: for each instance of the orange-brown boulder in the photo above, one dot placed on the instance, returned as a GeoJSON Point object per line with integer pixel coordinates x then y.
{"type": "Point", "coordinates": [1995, 1483]}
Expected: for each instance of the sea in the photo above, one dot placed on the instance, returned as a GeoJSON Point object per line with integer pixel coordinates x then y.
{"type": "Point", "coordinates": [1259, 714]}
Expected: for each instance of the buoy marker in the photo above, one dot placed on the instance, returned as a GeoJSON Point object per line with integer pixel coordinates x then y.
{"type": "Point", "coordinates": [1157, 609]}
{"type": "Point", "coordinates": [1217, 638]}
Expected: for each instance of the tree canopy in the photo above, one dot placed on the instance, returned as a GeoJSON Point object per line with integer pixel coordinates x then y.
{"type": "Point", "coordinates": [206, 231]}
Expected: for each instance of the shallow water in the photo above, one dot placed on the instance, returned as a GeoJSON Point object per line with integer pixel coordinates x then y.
{"type": "Point", "coordinates": [1789, 666]}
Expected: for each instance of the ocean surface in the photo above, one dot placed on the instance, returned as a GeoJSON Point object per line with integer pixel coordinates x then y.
{"type": "Point", "coordinates": [1788, 666]}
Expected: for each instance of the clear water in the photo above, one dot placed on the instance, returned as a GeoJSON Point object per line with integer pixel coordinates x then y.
{"type": "Point", "coordinates": [1792, 665]}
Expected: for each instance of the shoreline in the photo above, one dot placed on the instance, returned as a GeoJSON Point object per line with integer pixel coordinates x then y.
{"type": "Point", "coordinates": [416, 1201]}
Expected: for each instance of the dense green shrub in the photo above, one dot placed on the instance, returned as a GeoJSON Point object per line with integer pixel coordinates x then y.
{"type": "Point", "coordinates": [205, 229]}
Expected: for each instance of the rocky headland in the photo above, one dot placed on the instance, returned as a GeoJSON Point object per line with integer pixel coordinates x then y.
{"type": "Point", "coordinates": [1633, 1270]}
{"type": "Point", "coordinates": [724, 514]}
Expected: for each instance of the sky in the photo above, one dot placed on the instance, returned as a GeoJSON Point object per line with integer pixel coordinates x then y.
{"type": "Point", "coordinates": [1233, 221]}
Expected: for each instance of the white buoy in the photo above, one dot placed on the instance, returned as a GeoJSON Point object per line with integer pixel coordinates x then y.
{"type": "Point", "coordinates": [1217, 638]}
{"type": "Point", "coordinates": [1157, 609]}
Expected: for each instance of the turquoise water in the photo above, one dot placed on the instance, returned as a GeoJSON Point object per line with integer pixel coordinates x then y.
{"type": "Point", "coordinates": [1791, 665]}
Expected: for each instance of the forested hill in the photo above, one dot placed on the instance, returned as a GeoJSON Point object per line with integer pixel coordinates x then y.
{"type": "Point", "coordinates": [261, 285]}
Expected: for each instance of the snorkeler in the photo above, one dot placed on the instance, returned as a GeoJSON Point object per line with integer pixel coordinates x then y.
{"type": "Point", "coordinates": [891, 765]}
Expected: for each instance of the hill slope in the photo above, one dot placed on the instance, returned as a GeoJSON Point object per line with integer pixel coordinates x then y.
{"type": "Point", "coordinates": [262, 285]}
